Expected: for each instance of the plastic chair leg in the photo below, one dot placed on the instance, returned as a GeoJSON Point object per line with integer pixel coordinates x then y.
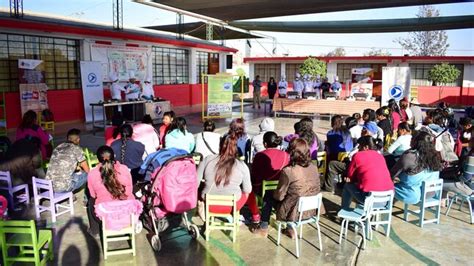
{"type": "Point", "coordinates": [342, 230]}
{"type": "Point", "coordinates": [301, 231]}
{"type": "Point", "coordinates": [319, 237]}
{"type": "Point", "coordinates": [297, 240]}
{"type": "Point", "coordinates": [405, 212]}
{"type": "Point", "coordinates": [470, 210]}
{"type": "Point", "coordinates": [71, 204]}
{"type": "Point", "coordinates": [363, 236]}
{"type": "Point", "coordinates": [279, 234]}
{"type": "Point", "coordinates": [450, 204]}
{"type": "Point", "coordinates": [52, 209]}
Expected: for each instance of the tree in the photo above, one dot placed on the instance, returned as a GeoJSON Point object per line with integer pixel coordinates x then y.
{"type": "Point", "coordinates": [442, 75]}
{"type": "Point", "coordinates": [426, 43]}
{"type": "Point", "coordinates": [377, 52]}
{"type": "Point", "coordinates": [339, 51]}
{"type": "Point", "coordinates": [313, 67]}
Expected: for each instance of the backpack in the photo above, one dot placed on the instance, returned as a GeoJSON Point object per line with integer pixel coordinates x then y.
{"type": "Point", "coordinates": [446, 142]}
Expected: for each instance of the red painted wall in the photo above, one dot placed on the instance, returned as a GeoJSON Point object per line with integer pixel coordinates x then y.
{"type": "Point", "coordinates": [451, 95]}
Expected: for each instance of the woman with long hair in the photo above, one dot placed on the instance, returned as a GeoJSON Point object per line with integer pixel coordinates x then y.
{"type": "Point", "coordinates": [129, 152]}
{"type": "Point", "coordinates": [395, 115]}
{"type": "Point", "coordinates": [339, 139]}
{"type": "Point", "coordinates": [208, 141]}
{"type": "Point", "coordinates": [367, 172]}
{"type": "Point", "coordinates": [108, 181]}
{"type": "Point", "coordinates": [304, 129]}
{"type": "Point", "coordinates": [271, 88]}
{"type": "Point", "coordinates": [300, 178]}
{"type": "Point", "coordinates": [224, 173]}
{"type": "Point", "coordinates": [29, 129]}
{"type": "Point", "coordinates": [179, 137]}
{"type": "Point", "coordinates": [420, 163]}
{"type": "Point", "coordinates": [113, 133]}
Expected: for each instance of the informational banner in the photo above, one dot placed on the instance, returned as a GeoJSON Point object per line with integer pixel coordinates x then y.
{"type": "Point", "coordinates": [395, 83]}
{"type": "Point", "coordinates": [33, 90]}
{"type": "Point", "coordinates": [362, 81]}
{"type": "Point", "coordinates": [123, 61]}
{"type": "Point", "coordinates": [219, 97]}
{"type": "Point", "coordinates": [92, 87]}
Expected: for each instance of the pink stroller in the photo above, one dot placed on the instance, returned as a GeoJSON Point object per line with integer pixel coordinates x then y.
{"type": "Point", "coordinates": [171, 193]}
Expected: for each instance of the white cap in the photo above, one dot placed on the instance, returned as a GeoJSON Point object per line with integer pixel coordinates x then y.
{"type": "Point", "coordinates": [298, 74]}
{"type": "Point", "coordinates": [336, 78]}
{"type": "Point", "coordinates": [113, 77]}
{"type": "Point", "coordinates": [131, 74]}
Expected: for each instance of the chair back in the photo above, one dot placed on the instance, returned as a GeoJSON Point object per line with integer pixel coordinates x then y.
{"type": "Point", "coordinates": [322, 161]}
{"type": "Point", "coordinates": [309, 203]}
{"type": "Point", "coordinates": [42, 184]}
{"type": "Point", "coordinates": [382, 199]}
{"type": "Point", "coordinates": [342, 156]}
{"type": "Point", "coordinates": [368, 207]}
{"type": "Point", "coordinates": [3, 207]}
{"type": "Point", "coordinates": [5, 180]}
{"type": "Point", "coordinates": [18, 227]}
{"type": "Point", "coordinates": [119, 214]}
{"type": "Point", "coordinates": [221, 200]}
{"type": "Point", "coordinates": [432, 189]}
{"type": "Point", "coordinates": [387, 141]}
{"type": "Point", "coordinates": [269, 185]}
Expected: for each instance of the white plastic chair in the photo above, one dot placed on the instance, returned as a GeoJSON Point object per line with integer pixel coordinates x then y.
{"type": "Point", "coordinates": [5, 179]}
{"type": "Point", "coordinates": [359, 216]}
{"type": "Point", "coordinates": [304, 204]}
{"type": "Point", "coordinates": [464, 198]}
{"type": "Point", "coordinates": [382, 206]}
{"type": "Point", "coordinates": [43, 190]}
{"type": "Point", "coordinates": [430, 198]}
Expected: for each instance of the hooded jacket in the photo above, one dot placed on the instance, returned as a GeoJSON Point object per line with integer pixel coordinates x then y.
{"type": "Point", "coordinates": [176, 139]}
{"type": "Point", "coordinates": [266, 125]}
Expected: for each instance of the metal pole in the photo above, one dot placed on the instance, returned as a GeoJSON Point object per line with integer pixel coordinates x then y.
{"type": "Point", "coordinates": [202, 94]}
{"type": "Point", "coordinates": [242, 97]}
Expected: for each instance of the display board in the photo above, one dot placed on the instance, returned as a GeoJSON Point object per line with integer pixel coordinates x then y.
{"type": "Point", "coordinates": [362, 79]}
{"type": "Point", "coordinates": [121, 61]}
{"type": "Point", "coordinates": [33, 90]}
{"type": "Point", "coordinates": [219, 97]}
{"type": "Point", "coordinates": [395, 83]}
{"type": "Point", "coordinates": [157, 109]}
{"type": "Point", "coordinates": [92, 87]}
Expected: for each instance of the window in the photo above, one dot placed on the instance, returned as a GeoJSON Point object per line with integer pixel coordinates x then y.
{"type": "Point", "coordinates": [419, 75]}
{"type": "Point", "coordinates": [291, 70]}
{"type": "Point", "coordinates": [265, 71]}
{"type": "Point", "coordinates": [170, 66]}
{"type": "Point", "coordinates": [206, 63]}
{"type": "Point", "coordinates": [60, 58]}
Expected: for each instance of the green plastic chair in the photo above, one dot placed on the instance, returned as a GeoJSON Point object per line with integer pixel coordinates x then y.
{"type": "Point", "coordinates": [266, 185]}
{"type": "Point", "coordinates": [33, 247]}
{"type": "Point", "coordinates": [91, 158]}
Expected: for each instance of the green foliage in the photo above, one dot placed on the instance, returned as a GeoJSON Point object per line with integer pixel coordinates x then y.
{"type": "Point", "coordinates": [377, 52]}
{"type": "Point", "coordinates": [241, 72]}
{"type": "Point", "coordinates": [313, 67]}
{"type": "Point", "coordinates": [443, 74]}
{"type": "Point", "coordinates": [339, 51]}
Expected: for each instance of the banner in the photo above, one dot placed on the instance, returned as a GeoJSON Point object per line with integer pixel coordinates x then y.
{"type": "Point", "coordinates": [362, 81]}
{"type": "Point", "coordinates": [33, 90]}
{"type": "Point", "coordinates": [92, 88]}
{"type": "Point", "coordinates": [219, 96]}
{"type": "Point", "coordinates": [395, 83]}
{"type": "Point", "coordinates": [121, 61]}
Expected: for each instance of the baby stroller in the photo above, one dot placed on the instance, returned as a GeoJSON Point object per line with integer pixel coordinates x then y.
{"type": "Point", "coordinates": [170, 192]}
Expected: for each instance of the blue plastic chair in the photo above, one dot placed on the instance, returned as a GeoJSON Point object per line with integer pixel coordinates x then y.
{"type": "Point", "coordinates": [430, 201]}
{"type": "Point", "coordinates": [359, 216]}
{"type": "Point", "coordinates": [304, 204]}
{"type": "Point", "coordinates": [382, 208]}
{"type": "Point", "coordinates": [463, 198]}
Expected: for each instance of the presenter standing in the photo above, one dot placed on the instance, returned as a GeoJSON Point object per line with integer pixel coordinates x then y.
{"type": "Point", "coordinates": [257, 90]}
{"type": "Point", "coordinates": [115, 88]}
{"type": "Point", "coordinates": [317, 87]}
{"type": "Point", "coordinates": [132, 93]}
{"type": "Point", "coordinates": [336, 87]}
{"type": "Point", "coordinates": [308, 84]}
{"type": "Point", "coordinates": [147, 90]}
{"type": "Point", "coordinates": [298, 85]}
{"type": "Point", "coordinates": [282, 87]}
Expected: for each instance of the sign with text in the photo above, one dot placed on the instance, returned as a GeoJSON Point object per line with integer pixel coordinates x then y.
{"type": "Point", "coordinates": [33, 90]}
{"type": "Point", "coordinates": [219, 98]}
{"type": "Point", "coordinates": [395, 83]}
{"type": "Point", "coordinates": [92, 88]}
{"type": "Point", "coordinates": [362, 79]}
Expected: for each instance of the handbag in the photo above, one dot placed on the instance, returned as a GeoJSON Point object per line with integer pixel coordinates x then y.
{"type": "Point", "coordinates": [207, 144]}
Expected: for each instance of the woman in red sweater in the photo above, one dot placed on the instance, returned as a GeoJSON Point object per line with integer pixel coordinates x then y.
{"type": "Point", "coordinates": [266, 165]}
{"type": "Point", "coordinates": [367, 172]}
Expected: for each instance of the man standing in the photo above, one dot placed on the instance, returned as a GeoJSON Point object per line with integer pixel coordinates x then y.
{"type": "Point", "coordinates": [298, 85]}
{"type": "Point", "coordinates": [282, 87]}
{"type": "Point", "coordinates": [147, 90]}
{"type": "Point", "coordinates": [68, 167]}
{"type": "Point", "coordinates": [257, 86]}
{"type": "Point", "coordinates": [336, 87]}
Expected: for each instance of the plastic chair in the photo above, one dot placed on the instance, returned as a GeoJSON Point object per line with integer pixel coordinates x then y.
{"type": "Point", "coordinates": [387, 142]}
{"type": "Point", "coordinates": [91, 158]}
{"type": "Point", "coordinates": [125, 234]}
{"type": "Point", "coordinates": [463, 198]}
{"type": "Point", "coordinates": [427, 202]}
{"type": "Point", "coordinates": [322, 163]}
{"type": "Point", "coordinates": [304, 204]}
{"type": "Point", "coordinates": [359, 216]}
{"type": "Point", "coordinates": [13, 201]}
{"type": "Point", "coordinates": [43, 190]}
{"type": "Point", "coordinates": [267, 185]}
{"type": "Point", "coordinates": [34, 247]}
{"type": "Point", "coordinates": [3, 208]}
{"type": "Point", "coordinates": [222, 200]}
{"type": "Point", "coordinates": [46, 125]}
{"type": "Point", "coordinates": [342, 156]}
{"type": "Point", "coordinates": [382, 206]}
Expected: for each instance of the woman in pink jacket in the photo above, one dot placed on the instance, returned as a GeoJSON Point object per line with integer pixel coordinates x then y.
{"type": "Point", "coordinates": [108, 181]}
{"type": "Point", "coordinates": [29, 129]}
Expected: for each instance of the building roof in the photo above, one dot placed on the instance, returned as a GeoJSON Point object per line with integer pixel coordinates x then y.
{"type": "Point", "coordinates": [251, 9]}
{"type": "Point", "coordinates": [52, 24]}
{"type": "Point", "coordinates": [388, 59]}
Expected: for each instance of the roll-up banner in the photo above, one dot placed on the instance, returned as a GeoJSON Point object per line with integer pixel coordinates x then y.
{"type": "Point", "coordinates": [92, 87]}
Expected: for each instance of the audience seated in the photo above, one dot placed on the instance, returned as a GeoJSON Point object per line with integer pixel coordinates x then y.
{"type": "Point", "coordinates": [356, 130]}
{"type": "Point", "coordinates": [224, 173]}
{"type": "Point", "coordinates": [405, 112]}
{"type": "Point", "coordinates": [395, 115]}
{"type": "Point", "coordinates": [237, 127]}
{"type": "Point", "coordinates": [29, 128]}
{"type": "Point", "coordinates": [300, 178]}
{"type": "Point", "coordinates": [109, 181]}
{"type": "Point", "coordinates": [304, 130]}
{"type": "Point", "coordinates": [444, 142]}
{"type": "Point", "coordinates": [68, 167]}
{"type": "Point", "coordinates": [180, 138]}
{"type": "Point", "coordinates": [266, 165]}
{"type": "Point", "coordinates": [383, 114]}
{"type": "Point", "coordinates": [403, 141]}
{"type": "Point", "coordinates": [266, 125]}
{"type": "Point", "coordinates": [369, 122]}
{"type": "Point", "coordinates": [420, 163]}
{"type": "Point", "coordinates": [166, 126]}
{"type": "Point", "coordinates": [129, 152]}
{"type": "Point", "coordinates": [112, 133]}
{"type": "Point", "coordinates": [465, 132]}
{"type": "Point", "coordinates": [146, 134]}
{"type": "Point", "coordinates": [338, 139]}
{"type": "Point", "coordinates": [367, 172]}
{"type": "Point", "coordinates": [207, 142]}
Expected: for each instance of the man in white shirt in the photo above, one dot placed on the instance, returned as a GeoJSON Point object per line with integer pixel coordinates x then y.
{"type": "Point", "coordinates": [115, 88]}
{"type": "Point", "coordinates": [298, 85]}
{"type": "Point", "coordinates": [282, 87]}
{"type": "Point", "coordinates": [132, 89]}
{"type": "Point", "coordinates": [147, 90]}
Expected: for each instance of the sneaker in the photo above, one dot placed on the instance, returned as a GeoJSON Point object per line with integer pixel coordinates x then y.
{"type": "Point", "coordinates": [289, 232]}
{"type": "Point", "coordinates": [259, 231]}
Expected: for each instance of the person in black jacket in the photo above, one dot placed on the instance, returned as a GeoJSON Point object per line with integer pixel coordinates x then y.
{"type": "Point", "coordinates": [272, 88]}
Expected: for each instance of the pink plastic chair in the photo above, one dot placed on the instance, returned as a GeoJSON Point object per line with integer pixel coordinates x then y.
{"type": "Point", "coordinates": [3, 207]}
{"type": "Point", "coordinates": [13, 201]}
{"type": "Point", "coordinates": [43, 190]}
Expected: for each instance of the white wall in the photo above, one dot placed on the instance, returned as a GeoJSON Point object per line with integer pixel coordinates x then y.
{"type": "Point", "coordinates": [251, 71]}
{"type": "Point", "coordinates": [331, 71]}
{"type": "Point", "coordinates": [468, 78]}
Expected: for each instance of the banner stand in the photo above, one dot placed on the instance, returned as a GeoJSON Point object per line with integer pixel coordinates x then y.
{"type": "Point", "coordinates": [205, 104]}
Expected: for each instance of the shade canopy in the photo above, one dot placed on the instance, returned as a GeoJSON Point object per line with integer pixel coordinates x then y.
{"type": "Point", "coordinates": [198, 30]}
{"type": "Point", "coordinates": [229, 10]}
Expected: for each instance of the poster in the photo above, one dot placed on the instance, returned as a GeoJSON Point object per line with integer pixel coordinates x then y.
{"type": "Point", "coordinates": [92, 87]}
{"type": "Point", "coordinates": [33, 90]}
{"type": "Point", "coordinates": [362, 81]}
{"type": "Point", "coordinates": [395, 83]}
{"type": "Point", "coordinates": [219, 96]}
{"type": "Point", "coordinates": [121, 61]}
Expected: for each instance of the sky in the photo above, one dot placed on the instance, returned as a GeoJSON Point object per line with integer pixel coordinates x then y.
{"type": "Point", "coordinates": [294, 44]}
